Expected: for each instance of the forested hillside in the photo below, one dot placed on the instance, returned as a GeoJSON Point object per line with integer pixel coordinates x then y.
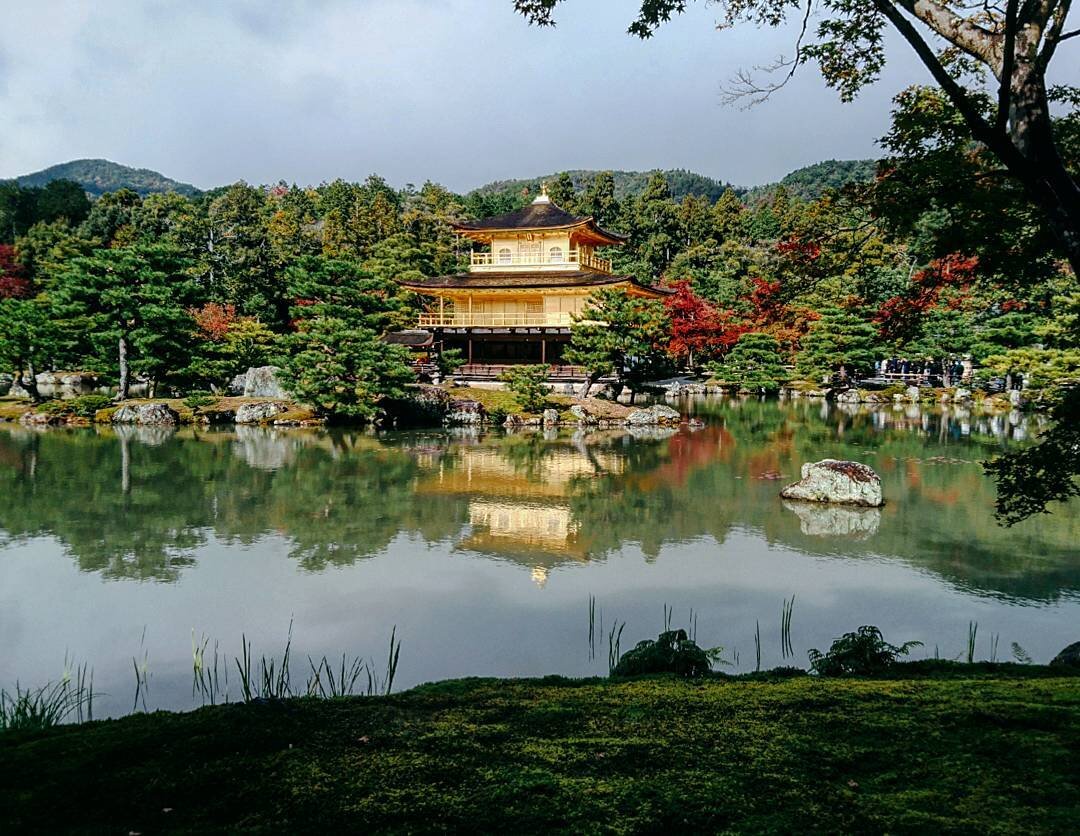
{"type": "Point", "coordinates": [627, 183]}
{"type": "Point", "coordinates": [812, 181]}
{"type": "Point", "coordinates": [100, 176]}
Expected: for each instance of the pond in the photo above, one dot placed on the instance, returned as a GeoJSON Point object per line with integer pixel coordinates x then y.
{"type": "Point", "coordinates": [483, 549]}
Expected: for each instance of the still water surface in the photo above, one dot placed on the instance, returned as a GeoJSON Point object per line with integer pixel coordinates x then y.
{"type": "Point", "coordinates": [483, 548]}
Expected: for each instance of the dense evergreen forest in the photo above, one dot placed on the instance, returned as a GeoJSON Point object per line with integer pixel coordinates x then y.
{"type": "Point", "coordinates": [938, 256]}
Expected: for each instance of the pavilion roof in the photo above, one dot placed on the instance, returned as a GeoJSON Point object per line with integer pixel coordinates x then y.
{"type": "Point", "coordinates": [540, 215]}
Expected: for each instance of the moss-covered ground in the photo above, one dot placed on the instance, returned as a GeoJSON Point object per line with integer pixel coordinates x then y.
{"type": "Point", "coordinates": [966, 753]}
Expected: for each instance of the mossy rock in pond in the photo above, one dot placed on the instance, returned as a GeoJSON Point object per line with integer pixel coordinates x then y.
{"type": "Point", "coordinates": [672, 652]}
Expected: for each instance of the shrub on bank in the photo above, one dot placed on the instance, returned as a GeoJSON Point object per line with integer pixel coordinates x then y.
{"type": "Point", "coordinates": [862, 653]}
{"type": "Point", "coordinates": [672, 652]}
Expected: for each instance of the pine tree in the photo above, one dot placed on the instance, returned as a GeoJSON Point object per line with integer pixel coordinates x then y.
{"type": "Point", "coordinates": [754, 363]}
{"type": "Point", "coordinates": [599, 200]}
{"type": "Point", "coordinates": [127, 308]}
{"type": "Point", "coordinates": [839, 342]}
{"type": "Point", "coordinates": [343, 369]}
{"type": "Point", "coordinates": [619, 335]}
{"type": "Point", "coordinates": [561, 192]}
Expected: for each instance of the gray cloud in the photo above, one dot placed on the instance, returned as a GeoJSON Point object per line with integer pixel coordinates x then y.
{"type": "Point", "coordinates": [460, 91]}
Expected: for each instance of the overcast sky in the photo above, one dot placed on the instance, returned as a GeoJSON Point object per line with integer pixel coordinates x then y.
{"type": "Point", "coordinates": [457, 91]}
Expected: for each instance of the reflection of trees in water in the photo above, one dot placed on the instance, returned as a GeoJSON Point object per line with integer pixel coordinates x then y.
{"type": "Point", "coordinates": [133, 505]}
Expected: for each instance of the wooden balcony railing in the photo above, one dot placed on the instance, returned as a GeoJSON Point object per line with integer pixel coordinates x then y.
{"type": "Point", "coordinates": [512, 319]}
{"type": "Point", "coordinates": [572, 260]}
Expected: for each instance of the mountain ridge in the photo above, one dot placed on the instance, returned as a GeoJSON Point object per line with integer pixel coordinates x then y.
{"type": "Point", "coordinates": [98, 176]}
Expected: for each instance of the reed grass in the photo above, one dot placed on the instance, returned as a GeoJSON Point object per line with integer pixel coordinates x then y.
{"type": "Point", "coordinates": [973, 631]}
{"type": "Point", "coordinates": [52, 703]}
{"type": "Point", "coordinates": [142, 675]}
{"type": "Point", "coordinates": [206, 682]}
{"type": "Point", "coordinates": [786, 648]}
{"type": "Point", "coordinates": [757, 645]}
{"type": "Point", "coordinates": [592, 627]}
{"type": "Point", "coordinates": [614, 645]}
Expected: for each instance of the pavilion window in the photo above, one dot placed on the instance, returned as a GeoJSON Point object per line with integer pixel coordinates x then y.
{"type": "Point", "coordinates": [505, 256]}
{"type": "Point", "coordinates": [555, 255]}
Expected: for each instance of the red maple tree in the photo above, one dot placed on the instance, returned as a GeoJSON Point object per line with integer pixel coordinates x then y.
{"type": "Point", "coordinates": [13, 280]}
{"type": "Point", "coordinates": [900, 317]}
{"type": "Point", "coordinates": [214, 320]}
{"type": "Point", "coordinates": [699, 329]}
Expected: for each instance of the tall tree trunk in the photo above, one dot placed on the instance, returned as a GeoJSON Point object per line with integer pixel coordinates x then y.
{"type": "Point", "coordinates": [29, 381]}
{"type": "Point", "coordinates": [125, 372]}
{"type": "Point", "coordinates": [1048, 181]}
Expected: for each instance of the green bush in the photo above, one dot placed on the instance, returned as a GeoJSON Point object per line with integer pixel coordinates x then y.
{"type": "Point", "coordinates": [529, 385]}
{"type": "Point", "coordinates": [87, 406]}
{"type": "Point", "coordinates": [55, 408]}
{"type": "Point", "coordinates": [199, 399]}
{"type": "Point", "coordinates": [672, 652]}
{"type": "Point", "coordinates": [862, 653]}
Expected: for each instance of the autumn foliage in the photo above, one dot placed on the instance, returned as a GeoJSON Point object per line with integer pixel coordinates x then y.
{"type": "Point", "coordinates": [13, 281]}
{"type": "Point", "coordinates": [900, 317]}
{"type": "Point", "coordinates": [699, 329]}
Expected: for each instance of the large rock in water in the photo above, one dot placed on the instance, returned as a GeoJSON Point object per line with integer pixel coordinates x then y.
{"type": "Point", "coordinates": [831, 480]}
{"type": "Point", "coordinates": [146, 415]}
{"type": "Point", "coordinates": [1069, 657]}
{"type": "Point", "coordinates": [258, 413]}
{"type": "Point", "coordinates": [657, 414]}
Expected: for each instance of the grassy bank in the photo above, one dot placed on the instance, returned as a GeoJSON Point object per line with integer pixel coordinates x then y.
{"type": "Point", "coordinates": [962, 753]}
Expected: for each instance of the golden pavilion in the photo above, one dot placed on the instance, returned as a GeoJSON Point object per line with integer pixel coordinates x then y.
{"type": "Point", "coordinates": [531, 272]}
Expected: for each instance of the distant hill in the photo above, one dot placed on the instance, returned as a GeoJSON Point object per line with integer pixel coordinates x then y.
{"type": "Point", "coordinates": [810, 182]}
{"type": "Point", "coordinates": [100, 176]}
{"type": "Point", "coordinates": [627, 183]}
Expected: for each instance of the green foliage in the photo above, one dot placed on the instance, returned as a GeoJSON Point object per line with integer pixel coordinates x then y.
{"type": "Point", "coordinates": [528, 383]}
{"type": "Point", "coordinates": [28, 336]}
{"type": "Point", "coordinates": [672, 652]}
{"type": "Point", "coordinates": [49, 705]}
{"type": "Point", "coordinates": [199, 399]}
{"type": "Point", "coordinates": [343, 369]}
{"type": "Point", "coordinates": [100, 176]}
{"type": "Point", "coordinates": [22, 206]}
{"type": "Point", "coordinates": [812, 181]}
{"type": "Point", "coordinates": [862, 653]}
{"type": "Point", "coordinates": [840, 341]}
{"type": "Point", "coordinates": [754, 363]}
{"type": "Point", "coordinates": [1030, 479]}
{"type": "Point", "coordinates": [137, 297]}
{"type": "Point", "coordinates": [620, 335]}
{"type": "Point", "coordinates": [87, 406]}
{"type": "Point", "coordinates": [449, 360]}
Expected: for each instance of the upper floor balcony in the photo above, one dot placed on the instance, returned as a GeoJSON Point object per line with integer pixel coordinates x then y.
{"type": "Point", "coordinates": [495, 319]}
{"type": "Point", "coordinates": [503, 259]}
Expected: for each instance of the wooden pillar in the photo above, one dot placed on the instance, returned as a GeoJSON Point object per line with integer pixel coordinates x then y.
{"type": "Point", "coordinates": [442, 321]}
{"type": "Point", "coordinates": [470, 349]}
{"type": "Point", "coordinates": [543, 350]}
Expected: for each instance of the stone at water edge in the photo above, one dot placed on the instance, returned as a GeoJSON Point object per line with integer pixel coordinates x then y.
{"type": "Point", "coordinates": [1069, 657]}
{"type": "Point", "coordinates": [914, 394]}
{"type": "Point", "coordinates": [832, 480]}
{"type": "Point", "coordinates": [656, 414]}
{"type": "Point", "coordinates": [551, 417]}
{"type": "Point", "coordinates": [463, 413]}
{"type": "Point", "coordinates": [146, 415]}
{"type": "Point", "coordinates": [258, 413]}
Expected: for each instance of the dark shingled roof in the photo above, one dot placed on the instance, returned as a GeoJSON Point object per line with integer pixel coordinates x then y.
{"type": "Point", "coordinates": [410, 338]}
{"type": "Point", "coordinates": [535, 216]}
{"type": "Point", "coordinates": [562, 278]}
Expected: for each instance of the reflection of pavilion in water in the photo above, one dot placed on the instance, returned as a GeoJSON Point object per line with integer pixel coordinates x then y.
{"type": "Point", "coordinates": [520, 510]}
